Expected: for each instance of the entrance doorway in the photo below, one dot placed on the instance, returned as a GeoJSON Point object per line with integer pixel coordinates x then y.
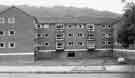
{"type": "Point", "coordinates": [71, 54]}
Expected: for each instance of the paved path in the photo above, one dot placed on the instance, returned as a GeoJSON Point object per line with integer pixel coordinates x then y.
{"type": "Point", "coordinates": [66, 69]}
{"type": "Point", "coordinates": [89, 75]}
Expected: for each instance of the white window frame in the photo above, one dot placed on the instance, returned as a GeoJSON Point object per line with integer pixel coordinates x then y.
{"type": "Point", "coordinates": [10, 33]}
{"type": "Point", "coordinates": [46, 26]}
{"type": "Point", "coordinates": [60, 25]}
{"type": "Point", "coordinates": [109, 26]}
{"type": "Point", "coordinates": [81, 42]}
{"type": "Point", "coordinates": [72, 35]}
{"type": "Point", "coordinates": [11, 20]}
{"type": "Point", "coordinates": [91, 44]}
{"type": "Point", "coordinates": [78, 26]}
{"type": "Point", "coordinates": [79, 34]}
{"type": "Point", "coordinates": [62, 47]}
{"type": "Point", "coordinates": [45, 44]}
{"type": "Point", "coordinates": [93, 27]}
{"type": "Point", "coordinates": [2, 20]}
{"type": "Point", "coordinates": [3, 34]}
{"type": "Point", "coordinates": [59, 37]}
{"type": "Point", "coordinates": [72, 26]}
{"type": "Point", "coordinates": [9, 45]}
{"type": "Point", "coordinates": [36, 26]}
{"type": "Point", "coordinates": [71, 42]}
{"type": "Point", "coordinates": [106, 42]}
{"type": "Point", "coordinates": [3, 44]}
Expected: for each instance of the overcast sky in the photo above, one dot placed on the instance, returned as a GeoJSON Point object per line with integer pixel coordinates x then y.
{"type": "Point", "coordinates": [110, 5]}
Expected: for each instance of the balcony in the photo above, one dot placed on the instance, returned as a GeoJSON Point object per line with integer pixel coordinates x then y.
{"type": "Point", "coordinates": [59, 27]}
{"type": "Point", "coordinates": [91, 45]}
{"type": "Point", "coordinates": [59, 36]}
{"type": "Point", "coordinates": [91, 27]}
{"type": "Point", "coordinates": [59, 45]}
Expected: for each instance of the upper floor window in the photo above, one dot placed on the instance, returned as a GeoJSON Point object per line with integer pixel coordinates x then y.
{"type": "Point", "coordinates": [107, 26]}
{"type": "Point", "coordinates": [2, 20]}
{"type": "Point", "coordinates": [2, 45]}
{"type": "Point", "coordinates": [70, 43]}
{"type": "Point", "coordinates": [70, 34]}
{"type": "Point", "coordinates": [11, 33]}
{"type": "Point", "coordinates": [59, 26]}
{"type": "Point", "coordinates": [46, 26]}
{"type": "Point", "coordinates": [59, 45]}
{"type": "Point", "coordinates": [107, 42]}
{"type": "Point", "coordinates": [80, 43]}
{"type": "Point", "coordinates": [46, 44]}
{"type": "Point", "coordinates": [36, 26]}
{"type": "Point", "coordinates": [2, 33]}
{"type": "Point", "coordinates": [80, 26]}
{"type": "Point", "coordinates": [70, 26]}
{"type": "Point", "coordinates": [46, 35]}
{"type": "Point", "coordinates": [80, 34]}
{"type": "Point", "coordinates": [107, 35]}
{"type": "Point", "coordinates": [59, 35]}
{"type": "Point", "coordinates": [91, 27]}
{"type": "Point", "coordinates": [11, 45]}
{"type": "Point", "coordinates": [11, 20]}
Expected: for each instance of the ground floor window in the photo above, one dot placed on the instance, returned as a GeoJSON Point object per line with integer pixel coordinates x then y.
{"type": "Point", "coordinates": [2, 45]}
{"type": "Point", "coordinates": [11, 45]}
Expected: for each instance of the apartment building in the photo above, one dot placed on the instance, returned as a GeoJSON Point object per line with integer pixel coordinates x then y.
{"type": "Point", "coordinates": [72, 39]}
{"type": "Point", "coordinates": [53, 37]}
{"type": "Point", "coordinates": [16, 31]}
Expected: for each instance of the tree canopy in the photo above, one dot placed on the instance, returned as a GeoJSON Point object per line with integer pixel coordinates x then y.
{"type": "Point", "coordinates": [126, 35]}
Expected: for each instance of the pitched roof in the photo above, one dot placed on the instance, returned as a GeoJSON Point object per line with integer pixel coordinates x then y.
{"type": "Point", "coordinates": [5, 10]}
{"type": "Point", "coordinates": [51, 19]}
{"type": "Point", "coordinates": [75, 20]}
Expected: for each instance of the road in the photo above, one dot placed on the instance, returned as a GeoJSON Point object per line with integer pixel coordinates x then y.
{"type": "Point", "coordinates": [87, 75]}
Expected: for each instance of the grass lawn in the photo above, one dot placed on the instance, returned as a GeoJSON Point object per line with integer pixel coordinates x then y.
{"type": "Point", "coordinates": [29, 60]}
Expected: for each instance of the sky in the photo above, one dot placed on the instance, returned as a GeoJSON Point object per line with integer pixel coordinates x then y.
{"type": "Point", "coordinates": [107, 5]}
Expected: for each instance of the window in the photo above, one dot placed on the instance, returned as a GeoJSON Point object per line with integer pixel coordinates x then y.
{"type": "Point", "coordinates": [107, 42]}
{"type": "Point", "coordinates": [91, 36]}
{"type": "Point", "coordinates": [46, 35]}
{"type": "Point", "coordinates": [91, 27]}
{"type": "Point", "coordinates": [2, 20]}
{"type": "Point", "coordinates": [80, 26]}
{"type": "Point", "coordinates": [2, 45]}
{"type": "Point", "coordinates": [46, 26]}
{"type": "Point", "coordinates": [11, 33]}
{"type": "Point", "coordinates": [38, 35]}
{"type": "Point", "coordinates": [2, 33]}
{"type": "Point", "coordinates": [104, 26]}
{"type": "Point", "coordinates": [11, 20]}
{"type": "Point", "coordinates": [107, 35]}
{"type": "Point", "coordinates": [70, 43]}
{"type": "Point", "coordinates": [59, 35]}
{"type": "Point", "coordinates": [11, 45]}
{"type": "Point", "coordinates": [59, 26]}
{"type": "Point", "coordinates": [109, 26]}
{"type": "Point", "coordinates": [70, 34]}
{"type": "Point", "coordinates": [70, 26]}
{"type": "Point", "coordinates": [59, 45]}
{"type": "Point", "coordinates": [36, 26]}
{"type": "Point", "coordinates": [80, 34]}
{"type": "Point", "coordinates": [80, 43]}
{"type": "Point", "coordinates": [46, 44]}
{"type": "Point", "coordinates": [91, 44]}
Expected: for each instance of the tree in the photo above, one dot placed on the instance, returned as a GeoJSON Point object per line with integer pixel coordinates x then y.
{"type": "Point", "coordinates": [126, 35]}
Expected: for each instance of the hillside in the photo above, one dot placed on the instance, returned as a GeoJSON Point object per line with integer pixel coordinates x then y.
{"type": "Point", "coordinates": [81, 14]}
